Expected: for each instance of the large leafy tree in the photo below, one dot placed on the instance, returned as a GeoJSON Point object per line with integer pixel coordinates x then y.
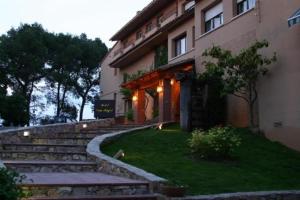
{"type": "Point", "coordinates": [23, 56]}
{"type": "Point", "coordinates": [64, 54]}
{"type": "Point", "coordinates": [88, 70]}
{"type": "Point", "coordinates": [240, 72]}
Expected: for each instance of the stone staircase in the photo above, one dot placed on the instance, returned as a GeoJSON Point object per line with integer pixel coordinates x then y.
{"type": "Point", "coordinates": [57, 166]}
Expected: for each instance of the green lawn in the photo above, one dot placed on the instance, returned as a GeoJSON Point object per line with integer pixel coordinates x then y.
{"type": "Point", "coordinates": [260, 164]}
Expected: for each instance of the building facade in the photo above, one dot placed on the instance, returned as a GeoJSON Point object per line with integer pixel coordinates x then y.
{"type": "Point", "coordinates": [161, 47]}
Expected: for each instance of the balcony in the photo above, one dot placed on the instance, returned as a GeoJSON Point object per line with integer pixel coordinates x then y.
{"type": "Point", "coordinates": [168, 17]}
{"type": "Point", "coordinates": [157, 36]}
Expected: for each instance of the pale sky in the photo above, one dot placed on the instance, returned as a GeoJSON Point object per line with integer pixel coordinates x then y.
{"type": "Point", "coordinates": [96, 18]}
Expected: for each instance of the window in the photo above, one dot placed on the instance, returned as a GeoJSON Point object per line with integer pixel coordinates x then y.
{"type": "Point", "coordinates": [214, 17]}
{"type": "Point", "coordinates": [180, 45]}
{"type": "Point", "coordinates": [244, 5]}
{"type": "Point", "coordinates": [139, 34]}
{"type": "Point", "coordinates": [189, 5]}
{"type": "Point", "coordinates": [149, 27]}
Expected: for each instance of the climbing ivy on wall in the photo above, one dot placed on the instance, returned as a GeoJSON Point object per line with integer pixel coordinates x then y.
{"type": "Point", "coordinates": [161, 56]}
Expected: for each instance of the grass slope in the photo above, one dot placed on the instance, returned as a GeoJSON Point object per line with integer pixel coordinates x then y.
{"type": "Point", "coordinates": [260, 165]}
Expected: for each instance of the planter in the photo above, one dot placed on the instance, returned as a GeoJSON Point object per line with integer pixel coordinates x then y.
{"type": "Point", "coordinates": [173, 191]}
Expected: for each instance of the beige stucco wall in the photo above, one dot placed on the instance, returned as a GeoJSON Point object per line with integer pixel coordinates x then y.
{"type": "Point", "coordinates": [278, 97]}
{"type": "Point", "coordinates": [110, 81]}
{"type": "Point", "coordinates": [186, 28]}
{"type": "Point", "coordinates": [279, 100]}
{"type": "Point", "coordinates": [236, 33]}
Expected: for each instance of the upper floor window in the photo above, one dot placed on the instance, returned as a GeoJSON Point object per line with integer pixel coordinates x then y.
{"type": "Point", "coordinates": [244, 5]}
{"type": "Point", "coordinates": [180, 45]}
{"type": "Point", "coordinates": [189, 5]}
{"type": "Point", "coordinates": [214, 17]}
{"type": "Point", "coordinates": [139, 34]}
{"type": "Point", "coordinates": [149, 27]}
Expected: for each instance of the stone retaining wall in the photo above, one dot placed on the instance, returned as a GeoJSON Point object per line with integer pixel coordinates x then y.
{"type": "Point", "coordinates": [112, 166]}
{"type": "Point", "coordinates": [15, 135]}
{"type": "Point", "coordinates": [273, 195]}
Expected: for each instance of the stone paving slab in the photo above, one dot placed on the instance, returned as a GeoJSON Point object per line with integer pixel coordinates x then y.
{"type": "Point", "coordinates": [75, 179]}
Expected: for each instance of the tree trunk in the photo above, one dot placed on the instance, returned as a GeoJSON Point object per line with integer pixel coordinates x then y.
{"type": "Point", "coordinates": [82, 107]}
{"type": "Point", "coordinates": [63, 98]}
{"type": "Point", "coordinates": [58, 108]}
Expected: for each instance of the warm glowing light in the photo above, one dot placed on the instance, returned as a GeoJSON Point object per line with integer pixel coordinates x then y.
{"type": "Point", "coordinates": [84, 126]}
{"type": "Point", "coordinates": [26, 133]}
{"type": "Point", "coordinates": [134, 98]}
{"type": "Point", "coordinates": [159, 89]}
{"type": "Point", "coordinates": [119, 154]}
{"type": "Point", "coordinates": [172, 82]}
{"type": "Point", "coordinates": [160, 126]}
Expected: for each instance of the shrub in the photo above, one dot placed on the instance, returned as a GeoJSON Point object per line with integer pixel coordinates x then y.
{"type": "Point", "coordinates": [129, 115]}
{"type": "Point", "coordinates": [9, 190]}
{"type": "Point", "coordinates": [215, 143]}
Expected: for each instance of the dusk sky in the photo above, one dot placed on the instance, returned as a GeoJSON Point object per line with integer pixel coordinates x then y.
{"type": "Point", "coordinates": [96, 18]}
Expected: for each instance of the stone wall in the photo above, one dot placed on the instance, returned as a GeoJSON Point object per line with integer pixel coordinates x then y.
{"type": "Point", "coordinates": [16, 135]}
{"type": "Point", "coordinates": [273, 195]}
{"type": "Point", "coordinates": [112, 166]}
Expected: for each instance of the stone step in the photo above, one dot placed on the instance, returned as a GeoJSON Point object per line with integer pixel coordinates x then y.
{"type": "Point", "coordinates": [81, 184]}
{"type": "Point", "coordinates": [35, 166]}
{"type": "Point", "coordinates": [44, 147]}
{"type": "Point", "coordinates": [117, 197]}
{"type": "Point", "coordinates": [70, 141]}
{"type": "Point", "coordinates": [45, 155]}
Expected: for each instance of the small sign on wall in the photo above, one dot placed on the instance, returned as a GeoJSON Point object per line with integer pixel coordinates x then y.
{"type": "Point", "coordinates": [105, 109]}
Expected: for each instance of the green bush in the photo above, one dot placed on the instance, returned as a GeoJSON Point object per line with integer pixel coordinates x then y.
{"type": "Point", "coordinates": [129, 115]}
{"type": "Point", "coordinates": [9, 190]}
{"type": "Point", "coordinates": [215, 143]}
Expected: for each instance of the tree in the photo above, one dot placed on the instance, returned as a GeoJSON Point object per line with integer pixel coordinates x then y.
{"type": "Point", "coordinates": [23, 54]}
{"type": "Point", "coordinates": [88, 70]}
{"type": "Point", "coordinates": [14, 110]}
{"type": "Point", "coordinates": [64, 54]}
{"type": "Point", "coordinates": [240, 72]}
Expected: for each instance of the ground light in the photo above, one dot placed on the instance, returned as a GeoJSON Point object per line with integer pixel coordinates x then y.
{"type": "Point", "coordinates": [119, 154]}
{"type": "Point", "coordinates": [26, 134]}
{"type": "Point", "coordinates": [160, 126]}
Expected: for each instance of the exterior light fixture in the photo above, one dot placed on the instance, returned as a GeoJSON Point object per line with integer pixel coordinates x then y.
{"type": "Point", "coordinates": [172, 82]}
{"type": "Point", "coordinates": [160, 126]}
{"type": "Point", "coordinates": [159, 89]}
{"type": "Point", "coordinates": [134, 98]}
{"type": "Point", "coordinates": [84, 126]}
{"type": "Point", "coordinates": [26, 134]}
{"type": "Point", "coordinates": [119, 154]}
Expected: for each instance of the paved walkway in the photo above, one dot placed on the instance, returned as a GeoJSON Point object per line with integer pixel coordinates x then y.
{"type": "Point", "coordinates": [59, 179]}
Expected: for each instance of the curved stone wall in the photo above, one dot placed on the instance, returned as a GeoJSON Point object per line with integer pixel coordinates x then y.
{"type": "Point", "coordinates": [115, 167]}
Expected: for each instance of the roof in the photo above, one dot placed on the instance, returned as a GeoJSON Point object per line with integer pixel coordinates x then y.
{"type": "Point", "coordinates": [294, 19]}
{"type": "Point", "coordinates": [159, 33]}
{"type": "Point", "coordinates": [184, 65]}
{"type": "Point", "coordinates": [142, 16]}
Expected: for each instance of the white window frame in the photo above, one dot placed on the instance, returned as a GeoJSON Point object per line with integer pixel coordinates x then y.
{"type": "Point", "coordinates": [180, 46]}
{"type": "Point", "coordinates": [214, 17]}
{"type": "Point", "coordinates": [247, 5]}
{"type": "Point", "coordinates": [189, 5]}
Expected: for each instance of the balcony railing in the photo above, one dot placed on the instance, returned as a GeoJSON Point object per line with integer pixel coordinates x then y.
{"type": "Point", "coordinates": [167, 18]}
